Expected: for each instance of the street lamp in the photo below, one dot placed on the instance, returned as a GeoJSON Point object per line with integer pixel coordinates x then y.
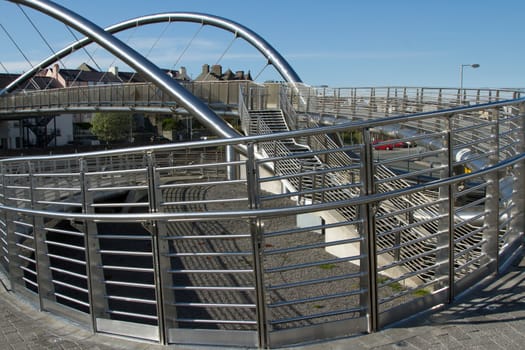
{"type": "Point", "coordinates": [472, 65]}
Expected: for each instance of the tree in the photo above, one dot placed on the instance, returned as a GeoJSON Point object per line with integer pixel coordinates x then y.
{"type": "Point", "coordinates": [112, 127]}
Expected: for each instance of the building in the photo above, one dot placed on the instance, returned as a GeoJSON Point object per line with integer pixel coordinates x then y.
{"type": "Point", "coordinates": [38, 131]}
{"type": "Point", "coordinates": [216, 74]}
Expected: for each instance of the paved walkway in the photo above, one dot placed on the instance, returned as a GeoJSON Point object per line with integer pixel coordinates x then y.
{"type": "Point", "coordinates": [492, 317]}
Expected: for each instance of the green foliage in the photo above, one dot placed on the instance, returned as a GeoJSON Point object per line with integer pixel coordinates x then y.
{"type": "Point", "coordinates": [421, 292]}
{"type": "Point", "coordinates": [352, 137]}
{"type": "Point", "coordinates": [111, 127]}
{"type": "Point", "coordinates": [327, 266]}
{"type": "Point", "coordinates": [169, 124]}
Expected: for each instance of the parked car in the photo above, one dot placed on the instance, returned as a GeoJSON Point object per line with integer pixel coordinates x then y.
{"type": "Point", "coordinates": [391, 144]}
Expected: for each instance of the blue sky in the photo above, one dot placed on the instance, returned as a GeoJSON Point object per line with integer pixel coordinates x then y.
{"type": "Point", "coordinates": [339, 43]}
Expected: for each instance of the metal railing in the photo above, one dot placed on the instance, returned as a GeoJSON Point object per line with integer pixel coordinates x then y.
{"type": "Point", "coordinates": [159, 243]}
{"type": "Point", "coordinates": [124, 96]}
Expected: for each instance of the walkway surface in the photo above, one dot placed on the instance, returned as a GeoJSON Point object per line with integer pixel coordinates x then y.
{"type": "Point", "coordinates": [491, 317]}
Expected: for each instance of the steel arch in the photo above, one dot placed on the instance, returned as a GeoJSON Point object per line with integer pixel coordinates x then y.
{"type": "Point", "coordinates": [271, 54]}
{"type": "Point", "coordinates": [138, 62]}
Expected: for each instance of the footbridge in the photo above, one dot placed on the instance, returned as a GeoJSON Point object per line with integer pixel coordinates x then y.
{"type": "Point", "coordinates": [329, 212]}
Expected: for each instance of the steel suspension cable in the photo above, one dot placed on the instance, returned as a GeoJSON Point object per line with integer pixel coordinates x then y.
{"type": "Point", "coordinates": [84, 49]}
{"type": "Point", "coordinates": [16, 45]}
{"type": "Point", "coordinates": [86, 52]}
{"type": "Point", "coordinates": [4, 67]}
{"type": "Point", "coordinates": [152, 47]}
{"type": "Point", "coordinates": [128, 39]}
{"type": "Point", "coordinates": [223, 54]}
{"type": "Point", "coordinates": [39, 32]}
{"type": "Point", "coordinates": [261, 71]}
{"type": "Point", "coordinates": [32, 80]}
{"type": "Point", "coordinates": [187, 46]}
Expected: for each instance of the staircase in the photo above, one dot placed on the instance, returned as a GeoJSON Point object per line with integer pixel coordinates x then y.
{"type": "Point", "coordinates": [305, 172]}
{"type": "Point", "coordinates": [271, 120]}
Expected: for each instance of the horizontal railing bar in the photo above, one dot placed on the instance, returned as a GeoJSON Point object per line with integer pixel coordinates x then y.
{"type": "Point", "coordinates": [470, 189]}
{"type": "Point", "coordinates": [473, 247]}
{"type": "Point", "coordinates": [311, 228]}
{"type": "Point", "coordinates": [314, 299]}
{"type": "Point", "coordinates": [129, 284]}
{"type": "Point", "coordinates": [117, 172]}
{"type": "Point", "coordinates": [409, 290]}
{"type": "Point", "coordinates": [215, 288]}
{"type": "Point", "coordinates": [64, 245]}
{"type": "Point", "coordinates": [120, 205]}
{"type": "Point", "coordinates": [76, 301]}
{"type": "Point", "coordinates": [23, 268]}
{"type": "Point", "coordinates": [20, 234]}
{"type": "Point", "coordinates": [354, 310]}
{"type": "Point", "coordinates": [134, 300]}
{"type": "Point", "coordinates": [196, 320]}
{"type": "Point", "coordinates": [313, 264]}
{"type": "Point", "coordinates": [65, 232]}
{"type": "Point", "coordinates": [23, 257]}
{"type": "Point", "coordinates": [65, 189]}
{"type": "Point", "coordinates": [200, 165]}
{"type": "Point", "coordinates": [23, 200]}
{"type": "Point", "coordinates": [59, 175]}
{"type": "Point", "coordinates": [126, 268]}
{"type": "Point", "coordinates": [226, 236]}
{"type": "Point", "coordinates": [209, 271]}
{"type": "Point", "coordinates": [207, 183]}
{"type": "Point", "coordinates": [206, 201]}
{"type": "Point", "coordinates": [214, 305]}
{"type": "Point", "coordinates": [408, 275]}
{"type": "Point", "coordinates": [70, 286]}
{"type": "Point", "coordinates": [27, 280]}
{"type": "Point", "coordinates": [20, 245]}
{"type": "Point", "coordinates": [314, 282]}
{"type": "Point", "coordinates": [67, 272]}
{"type": "Point", "coordinates": [474, 203]}
{"type": "Point", "coordinates": [22, 223]}
{"type": "Point", "coordinates": [124, 252]}
{"type": "Point", "coordinates": [131, 314]}
{"type": "Point", "coordinates": [65, 204]}
{"type": "Point", "coordinates": [472, 261]}
{"type": "Point", "coordinates": [312, 246]}
{"type": "Point", "coordinates": [123, 237]}
{"type": "Point", "coordinates": [118, 188]}
{"type": "Point", "coordinates": [197, 254]}
{"type": "Point", "coordinates": [413, 257]}
{"type": "Point", "coordinates": [64, 258]}
{"type": "Point", "coordinates": [467, 222]}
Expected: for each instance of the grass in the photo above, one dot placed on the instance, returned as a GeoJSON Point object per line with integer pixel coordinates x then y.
{"type": "Point", "coordinates": [327, 266]}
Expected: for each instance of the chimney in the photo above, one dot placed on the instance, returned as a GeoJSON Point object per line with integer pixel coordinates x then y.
{"type": "Point", "coordinates": [113, 70]}
{"type": "Point", "coordinates": [216, 70]}
{"type": "Point", "coordinates": [205, 68]}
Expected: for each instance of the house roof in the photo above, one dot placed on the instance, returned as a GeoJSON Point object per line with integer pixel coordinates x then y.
{"type": "Point", "coordinates": [82, 76]}
{"type": "Point", "coordinates": [35, 83]}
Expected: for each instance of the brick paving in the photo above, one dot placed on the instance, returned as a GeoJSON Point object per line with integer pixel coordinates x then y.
{"type": "Point", "coordinates": [491, 317]}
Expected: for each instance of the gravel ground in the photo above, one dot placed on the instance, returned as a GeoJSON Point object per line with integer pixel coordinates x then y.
{"type": "Point", "coordinates": [293, 298]}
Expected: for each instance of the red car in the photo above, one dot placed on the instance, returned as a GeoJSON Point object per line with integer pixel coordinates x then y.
{"type": "Point", "coordinates": [387, 145]}
{"type": "Point", "coordinates": [391, 144]}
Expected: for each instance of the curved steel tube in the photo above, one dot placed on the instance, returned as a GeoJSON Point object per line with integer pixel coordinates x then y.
{"type": "Point", "coordinates": [138, 62]}
{"type": "Point", "coordinates": [272, 55]}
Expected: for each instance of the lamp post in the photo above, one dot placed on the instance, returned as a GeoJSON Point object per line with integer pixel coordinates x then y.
{"type": "Point", "coordinates": [472, 65]}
